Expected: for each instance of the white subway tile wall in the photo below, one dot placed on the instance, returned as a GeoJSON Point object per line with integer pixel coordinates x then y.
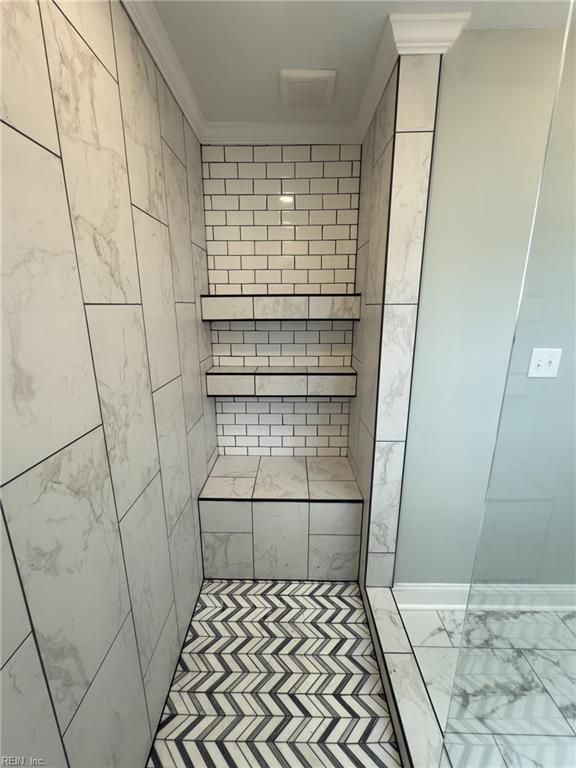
{"type": "Point", "coordinates": [284, 343]}
{"type": "Point", "coordinates": [281, 219]}
{"type": "Point", "coordinates": [282, 426]}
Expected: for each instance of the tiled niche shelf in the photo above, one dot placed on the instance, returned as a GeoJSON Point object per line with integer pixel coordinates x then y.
{"type": "Point", "coordinates": [281, 517]}
{"type": "Point", "coordinates": [281, 307]}
{"type": "Point", "coordinates": [277, 381]}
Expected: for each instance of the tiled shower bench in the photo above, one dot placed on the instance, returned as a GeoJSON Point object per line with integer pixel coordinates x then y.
{"type": "Point", "coordinates": [281, 518]}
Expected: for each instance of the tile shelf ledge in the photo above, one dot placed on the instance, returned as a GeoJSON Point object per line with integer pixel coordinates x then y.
{"type": "Point", "coordinates": [229, 307]}
{"type": "Point", "coordinates": [263, 381]}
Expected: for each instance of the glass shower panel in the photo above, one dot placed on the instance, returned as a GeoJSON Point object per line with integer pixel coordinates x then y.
{"type": "Point", "coordinates": [512, 702]}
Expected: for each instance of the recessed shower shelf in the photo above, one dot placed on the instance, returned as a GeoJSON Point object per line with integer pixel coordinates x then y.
{"type": "Point", "coordinates": [282, 307]}
{"type": "Point", "coordinates": [262, 381]}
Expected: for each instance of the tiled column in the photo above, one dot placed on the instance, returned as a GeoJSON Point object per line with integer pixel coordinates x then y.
{"type": "Point", "coordinates": [413, 140]}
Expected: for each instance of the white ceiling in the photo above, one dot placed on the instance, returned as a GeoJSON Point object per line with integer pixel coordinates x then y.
{"type": "Point", "coordinates": [233, 50]}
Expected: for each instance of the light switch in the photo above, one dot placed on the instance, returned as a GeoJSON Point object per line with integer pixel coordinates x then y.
{"type": "Point", "coordinates": [544, 363]}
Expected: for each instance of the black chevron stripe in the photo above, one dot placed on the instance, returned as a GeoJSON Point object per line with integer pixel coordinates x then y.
{"type": "Point", "coordinates": [266, 662]}
{"type": "Point", "coordinates": [239, 587]}
{"type": "Point", "coordinates": [278, 646]}
{"type": "Point", "coordinates": [328, 602]}
{"type": "Point", "coordinates": [276, 629]}
{"type": "Point", "coordinates": [284, 614]}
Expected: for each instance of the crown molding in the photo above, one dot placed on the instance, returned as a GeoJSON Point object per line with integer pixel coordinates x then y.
{"type": "Point", "coordinates": [423, 33]}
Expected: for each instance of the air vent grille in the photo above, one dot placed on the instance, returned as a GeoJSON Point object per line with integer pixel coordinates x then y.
{"type": "Point", "coordinates": [307, 88]}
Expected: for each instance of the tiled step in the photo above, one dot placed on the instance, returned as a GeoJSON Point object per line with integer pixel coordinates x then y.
{"type": "Point", "coordinates": [282, 307]}
{"type": "Point", "coordinates": [281, 517]}
{"type": "Point", "coordinates": [311, 381]}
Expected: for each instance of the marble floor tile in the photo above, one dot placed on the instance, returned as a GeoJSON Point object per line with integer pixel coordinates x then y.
{"type": "Point", "coordinates": [471, 751]}
{"type": "Point", "coordinates": [235, 466]}
{"type": "Point", "coordinates": [48, 390]}
{"type": "Point", "coordinates": [496, 691]}
{"type": "Point", "coordinates": [333, 557]}
{"type": "Point", "coordinates": [186, 562]}
{"type": "Point", "coordinates": [517, 629]}
{"type": "Point", "coordinates": [25, 100]}
{"type": "Point", "coordinates": [92, 142]}
{"type": "Point", "coordinates": [415, 710]}
{"type": "Point", "coordinates": [158, 676]}
{"type": "Point", "coordinates": [28, 723]}
{"type": "Point", "coordinates": [329, 468]}
{"type": "Point", "coordinates": [280, 540]}
{"type": "Point", "coordinates": [145, 543]}
{"type": "Point", "coordinates": [169, 411]}
{"type": "Point", "coordinates": [63, 525]}
{"type": "Point", "coordinates": [569, 618]}
{"type": "Point", "coordinates": [139, 97]}
{"type": "Point", "coordinates": [115, 706]}
{"type": "Point", "coordinates": [438, 667]}
{"type": "Point", "coordinates": [391, 632]}
{"type": "Point", "coordinates": [153, 246]}
{"type": "Point", "coordinates": [228, 555]}
{"type": "Point", "coordinates": [281, 478]}
{"type": "Point", "coordinates": [537, 751]}
{"type": "Point", "coordinates": [228, 488]}
{"type": "Point", "coordinates": [453, 621]}
{"type": "Point", "coordinates": [332, 489]}
{"type": "Point", "coordinates": [557, 671]}
{"type": "Point", "coordinates": [121, 362]}
{"type": "Point", "coordinates": [425, 628]}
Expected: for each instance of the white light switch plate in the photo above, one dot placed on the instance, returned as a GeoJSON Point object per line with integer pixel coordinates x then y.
{"type": "Point", "coordinates": [544, 363]}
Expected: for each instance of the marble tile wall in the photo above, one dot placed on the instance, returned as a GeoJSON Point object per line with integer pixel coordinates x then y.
{"type": "Point", "coordinates": [108, 434]}
{"type": "Point", "coordinates": [396, 161]}
{"type": "Point", "coordinates": [281, 219]}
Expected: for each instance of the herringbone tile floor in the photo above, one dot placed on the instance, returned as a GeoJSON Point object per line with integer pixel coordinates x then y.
{"type": "Point", "coordinates": [276, 674]}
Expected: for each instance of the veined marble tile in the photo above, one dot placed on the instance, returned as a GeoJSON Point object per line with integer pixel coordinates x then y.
{"type": "Point", "coordinates": [171, 119]}
{"type": "Point", "coordinates": [425, 628]}
{"type": "Point", "coordinates": [228, 488]}
{"type": "Point", "coordinates": [422, 731]}
{"type": "Point", "coordinates": [335, 518]}
{"type": "Point", "coordinates": [209, 409]}
{"type": "Point", "coordinates": [114, 706]}
{"type": "Point", "coordinates": [417, 91]}
{"type": "Point", "coordinates": [228, 555]}
{"type": "Point", "coordinates": [330, 490]}
{"type": "Point", "coordinates": [557, 671]}
{"type": "Point", "coordinates": [65, 534]}
{"type": "Point", "coordinates": [187, 571]}
{"type": "Point", "coordinates": [387, 485]}
{"type": "Point", "coordinates": [412, 155]}
{"type": "Point", "coordinates": [227, 307]}
{"type": "Point", "coordinates": [537, 751]}
{"type": "Point", "coordinates": [158, 676]}
{"type": "Point", "coordinates": [169, 410]}
{"type": "Point", "coordinates": [496, 691]}
{"type": "Point", "coordinates": [90, 127]}
{"type": "Point", "coordinates": [198, 464]}
{"type": "Point", "coordinates": [337, 307]}
{"type": "Point", "coordinates": [569, 618]}
{"type": "Point", "coordinates": [333, 557]}
{"type": "Point", "coordinates": [232, 384]}
{"type": "Point", "coordinates": [368, 382]}
{"type": "Point", "coordinates": [15, 625]}
{"type": "Point", "coordinates": [280, 540]}
{"type": "Point", "coordinates": [380, 570]}
{"type": "Point", "coordinates": [94, 23]}
{"type": "Point", "coordinates": [119, 349]}
{"type": "Point", "coordinates": [203, 329]}
{"type": "Point", "coordinates": [145, 542]}
{"type": "Point", "coordinates": [225, 516]}
{"type": "Point", "coordinates": [377, 248]}
{"type": "Point", "coordinates": [153, 247]}
{"type": "Point", "coordinates": [453, 623]}
{"type": "Point", "coordinates": [277, 307]}
{"type": "Point", "coordinates": [468, 750]}
{"type": "Point", "coordinates": [339, 385]}
{"type": "Point", "coordinates": [329, 468]}
{"type": "Point", "coordinates": [28, 723]}
{"type": "Point", "coordinates": [200, 264]}
{"type": "Point", "coordinates": [365, 211]}
{"type": "Point", "coordinates": [179, 223]}
{"type": "Point", "coordinates": [281, 478]}
{"type": "Point", "coordinates": [393, 637]}
{"type": "Point", "coordinates": [438, 667]}
{"type": "Point", "coordinates": [516, 629]}
{"type": "Point", "coordinates": [385, 116]}
{"type": "Point", "coordinates": [48, 389]}
{"type": "Point", "coordinates": [235, 466]}
{"type": "Point", "coordinates": [190, 361]}
{"type": "Point", "coordinates": [138, 93]}
{"type": "Point", "coordinates": [398, 331]}
{"type": "Point", "coordinates": [276, 384]}
{"type": "Point", "coordinates": [25, 96]}
{"type": "Point", "coordinates": [195, 189]}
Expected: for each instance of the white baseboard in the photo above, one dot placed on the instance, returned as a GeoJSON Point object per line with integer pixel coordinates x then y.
{"type": "Point", "coordinates": [541, 597]}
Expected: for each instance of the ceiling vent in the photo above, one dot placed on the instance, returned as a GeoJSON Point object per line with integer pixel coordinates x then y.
{"type": "Point", "coordinates": [307, 88]}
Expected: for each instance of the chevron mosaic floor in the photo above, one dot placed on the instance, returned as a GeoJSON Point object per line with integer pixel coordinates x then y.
{"type": "Point", "coordinates": [276, 673]}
